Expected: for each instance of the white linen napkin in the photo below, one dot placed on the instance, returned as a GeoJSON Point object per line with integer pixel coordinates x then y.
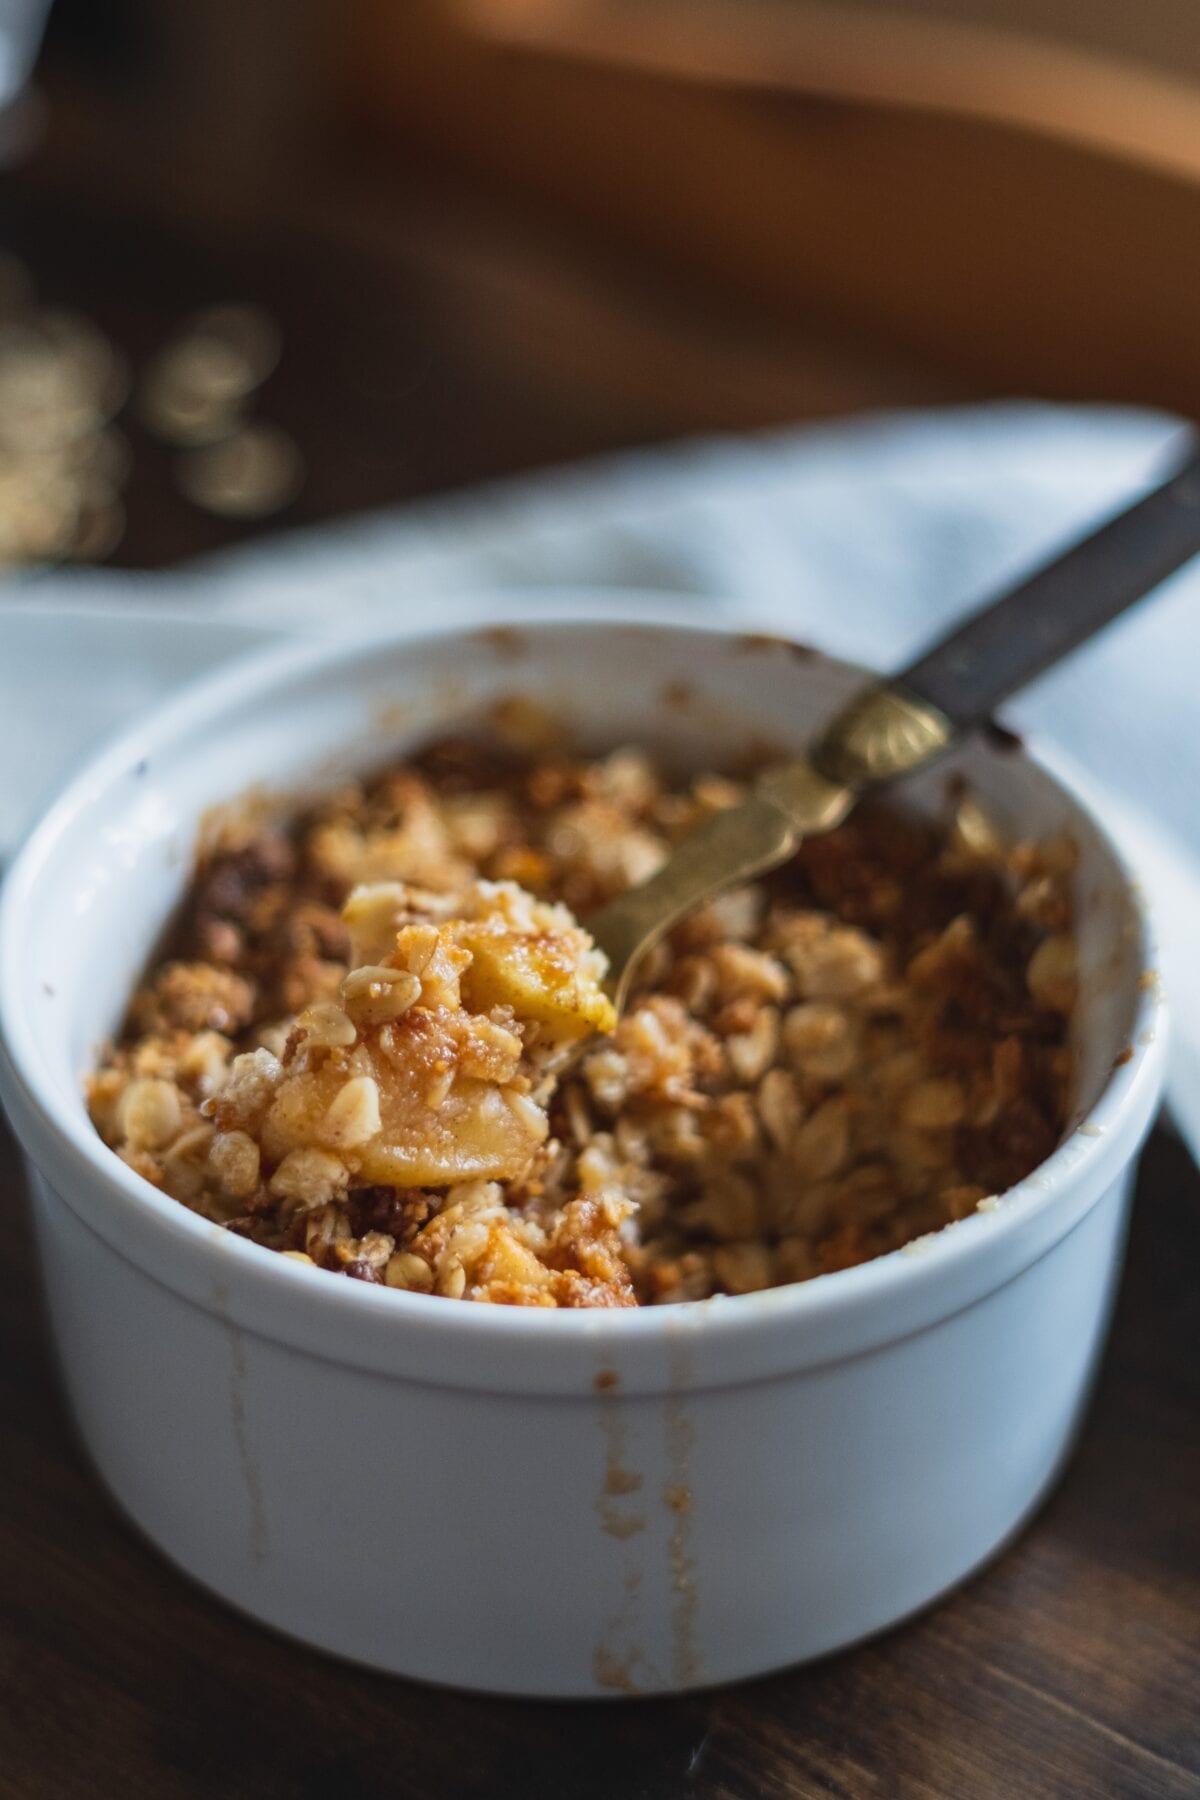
{"type": "Point", "coordinates": [866, 538]}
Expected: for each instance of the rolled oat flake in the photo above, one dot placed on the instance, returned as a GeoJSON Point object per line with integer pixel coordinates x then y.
{"type": "Point", "coordinates": [255, 471]}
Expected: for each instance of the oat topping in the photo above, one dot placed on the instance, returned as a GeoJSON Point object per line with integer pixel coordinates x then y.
{"type": "Point", "coordinates": [349, 1054]}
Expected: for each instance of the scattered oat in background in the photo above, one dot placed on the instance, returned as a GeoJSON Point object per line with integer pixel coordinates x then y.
{"type": "Point", "coordinates": [65, 466]}
{"type": "Point", "coordinates": [195, 390]}
{"type": "Point", "coordinates": [252, 472]}
{"type": "Point", "coordinates": [196, 393]}
{"type": "Point", "coordinates": [62, 464]}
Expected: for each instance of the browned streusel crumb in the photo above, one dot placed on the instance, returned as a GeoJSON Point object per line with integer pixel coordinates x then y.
{"type": "Point", "coordinates": [348, 1054]}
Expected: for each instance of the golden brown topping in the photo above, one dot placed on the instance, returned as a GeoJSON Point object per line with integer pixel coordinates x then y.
{"type": "Point", "coordinates": [349, 1054]}
{"type": "Point", "coordinates": [1053, 974]}
{"type": "Point", "coordinates": [194, 997]}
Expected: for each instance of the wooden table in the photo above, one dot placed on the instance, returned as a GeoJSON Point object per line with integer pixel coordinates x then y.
{"type": "Point", "coordinates": [1070, 1669]}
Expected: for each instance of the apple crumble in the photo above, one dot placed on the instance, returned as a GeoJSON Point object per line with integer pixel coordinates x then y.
{"type": "Point", "coordinates": [352, 1052]}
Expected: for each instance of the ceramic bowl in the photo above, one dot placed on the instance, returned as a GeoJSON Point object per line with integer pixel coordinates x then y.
{"type": "Point", "coordinates": [525, 1501]}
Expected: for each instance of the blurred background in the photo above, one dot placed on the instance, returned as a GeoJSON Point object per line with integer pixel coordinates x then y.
{"type": "Point", "coordinates": [452, 239]}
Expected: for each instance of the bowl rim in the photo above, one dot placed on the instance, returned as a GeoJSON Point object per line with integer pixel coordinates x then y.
{"type": "Point", "coordinates": [1087, 1159]}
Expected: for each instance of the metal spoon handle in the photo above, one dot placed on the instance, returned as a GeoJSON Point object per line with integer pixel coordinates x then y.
{"type": "Point", "coordinates": [1006, 644]}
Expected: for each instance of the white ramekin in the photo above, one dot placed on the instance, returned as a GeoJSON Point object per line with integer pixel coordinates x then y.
{"type": "Point", "coordinates": [521, 1501]}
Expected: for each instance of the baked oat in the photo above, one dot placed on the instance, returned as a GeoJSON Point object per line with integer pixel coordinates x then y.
{"type": "Point", "coordinates": [349, 1053]}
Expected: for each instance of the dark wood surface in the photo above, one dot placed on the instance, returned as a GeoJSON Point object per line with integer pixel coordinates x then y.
{"type": "Point", "coordinates": [1069, 1670]}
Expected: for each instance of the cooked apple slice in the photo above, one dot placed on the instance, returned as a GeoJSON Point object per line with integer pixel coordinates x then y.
{"type": "Point", "coordinates": [550, 977]}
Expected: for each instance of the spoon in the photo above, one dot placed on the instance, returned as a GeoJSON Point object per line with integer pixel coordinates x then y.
{"type": "Point", "coordinates": [892, 727]}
